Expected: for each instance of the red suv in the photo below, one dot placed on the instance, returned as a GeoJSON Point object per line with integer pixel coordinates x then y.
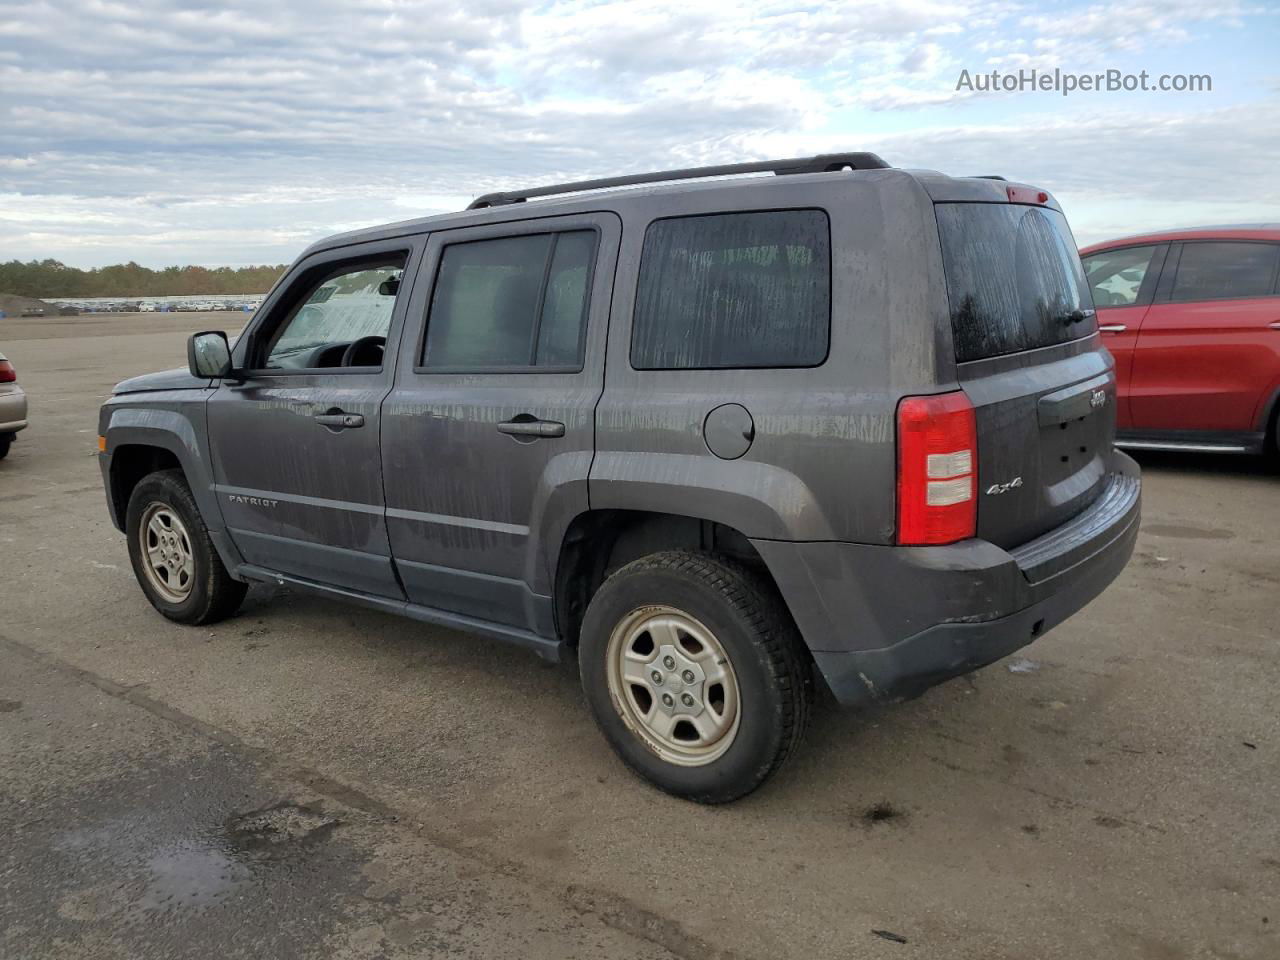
{"type": "Point", "coordinates": [1193, 319]}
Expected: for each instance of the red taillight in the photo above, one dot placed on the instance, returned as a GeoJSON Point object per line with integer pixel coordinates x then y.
{"type": "Point", "coordinates": [7, 373]}
{"type": "Point", "coordinates": [937, 469]}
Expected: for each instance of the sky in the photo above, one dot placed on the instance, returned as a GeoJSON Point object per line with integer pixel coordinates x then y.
{"type": "Point", "coordinates": [238, 133]}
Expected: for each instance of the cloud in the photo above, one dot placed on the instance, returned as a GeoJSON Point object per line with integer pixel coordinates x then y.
{"type": "Point", "coordinates": [236, 132]}
{"type": "Point", "coordinates": [923, 59]}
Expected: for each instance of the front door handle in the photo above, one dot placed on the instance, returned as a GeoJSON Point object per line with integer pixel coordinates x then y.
{"type": "Point", "coordinates": [532, 428]}
{"type": "Point", "coordinates": [1112, 327]}
{"type": "Point", "coordinates": [339, 419]}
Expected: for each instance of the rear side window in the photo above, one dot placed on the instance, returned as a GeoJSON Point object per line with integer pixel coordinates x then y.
{"type": "Point", "coordinates": [1116, 276]}
{"type": "Point", "coordinates": [1222, 271]}
{"type": "Point", "coordinates": [1014, 279]}
{"type": "Point", "coordinates": [511, 302]}
{"type": "Point", "coordinates": [734, 290]}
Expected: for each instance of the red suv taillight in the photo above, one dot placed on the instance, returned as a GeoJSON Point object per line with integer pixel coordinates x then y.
{"type": "Point", "coordinates": [937, 469]}
{"type": "Point", "coordinates": [7, 373]}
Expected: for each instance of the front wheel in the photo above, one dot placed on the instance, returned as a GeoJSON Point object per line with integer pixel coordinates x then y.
{"type": "Point", "coordinates": [173, 558]}
{"type": "Point", "coordinates": [6, 441]}
{"type": "Point", "coordinates": [695, 674]}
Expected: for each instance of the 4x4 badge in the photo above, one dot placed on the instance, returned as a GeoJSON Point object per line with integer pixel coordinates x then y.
{"type": "Point", "coordinates": [1098, 398]}
{"type": "Point", "coordinates": [1004, 487]}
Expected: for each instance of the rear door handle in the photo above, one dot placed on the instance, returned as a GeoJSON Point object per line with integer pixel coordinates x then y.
{"type": "Point", "coordinates": [1112, 327]}
{"type": "Point", "coordinates": [340, 420]}
{"type": "Point", "coordinates": [531, 428]}
{"type": "Point", "coordinates": [1275, 325]}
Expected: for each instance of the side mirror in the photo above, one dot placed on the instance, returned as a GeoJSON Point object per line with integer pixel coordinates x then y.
{"type": "Point", "coordinates": [209, 355]}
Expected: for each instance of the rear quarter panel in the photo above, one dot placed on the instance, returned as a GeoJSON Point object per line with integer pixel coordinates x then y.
{"type": "Point", "coordinates": [822, 463]}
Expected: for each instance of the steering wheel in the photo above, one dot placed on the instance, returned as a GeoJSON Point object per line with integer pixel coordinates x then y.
{"type": "Point", "coordinates": [364, 343]}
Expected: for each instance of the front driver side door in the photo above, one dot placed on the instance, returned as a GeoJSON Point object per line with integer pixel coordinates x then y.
{"type": "Point", "coordinates": [295, 450]}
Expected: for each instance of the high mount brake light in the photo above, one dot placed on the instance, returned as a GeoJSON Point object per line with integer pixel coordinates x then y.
{"type": "Point", "coordinates": [937, 469]}
{"type": "Point", "coordinates": [1025, 195]}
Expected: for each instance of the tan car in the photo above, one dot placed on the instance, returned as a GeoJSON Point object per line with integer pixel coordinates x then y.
{"type": "Point", "coordinates": [13, 406]}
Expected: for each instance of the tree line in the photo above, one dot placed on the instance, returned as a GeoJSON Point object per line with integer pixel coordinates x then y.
{"type": "Point", "coordinates": [50, 278]}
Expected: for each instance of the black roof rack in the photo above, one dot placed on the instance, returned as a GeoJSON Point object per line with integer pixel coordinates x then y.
{"type": "Point", "coordinates": [820, 164]}
{"type": "Point", "coordinates": [989, 176]}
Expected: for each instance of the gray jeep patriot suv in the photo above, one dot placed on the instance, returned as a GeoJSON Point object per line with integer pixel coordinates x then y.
{"type": "Point", "coordinates": [725, 436]}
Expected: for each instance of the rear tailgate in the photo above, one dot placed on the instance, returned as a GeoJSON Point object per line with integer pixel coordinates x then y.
{"type": "Point", "coordinates": [1042, 386]}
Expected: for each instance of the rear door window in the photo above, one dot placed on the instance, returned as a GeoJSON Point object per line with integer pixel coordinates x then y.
{"type": "Point", "coordinates": [1224, 271]}
{"type": "Point", "coordinates": [1014, 279]}
{"type": "Point", "coordinates": [1116, 276]}
{"type": "Point", "coordinates": [734, 290]}
{"type": "Point", "coordinates": [511, 303]}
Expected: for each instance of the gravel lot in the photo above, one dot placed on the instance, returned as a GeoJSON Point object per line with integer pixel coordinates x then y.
{"type": "Point", "coordinates": [314, 780]}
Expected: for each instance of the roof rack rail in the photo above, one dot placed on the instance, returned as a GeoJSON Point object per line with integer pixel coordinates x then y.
{"type": "Point", "coordinates": [820, 164]}
{"type": "Point", "coordinates": [989, 176]}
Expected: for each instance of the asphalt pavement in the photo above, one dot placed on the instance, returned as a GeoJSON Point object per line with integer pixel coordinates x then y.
{"type": "Point", "coordinates": [314, 780]}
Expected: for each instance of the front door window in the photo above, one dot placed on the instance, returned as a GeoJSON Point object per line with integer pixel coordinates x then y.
{"type": "Point", "coordinates": [341, 320]}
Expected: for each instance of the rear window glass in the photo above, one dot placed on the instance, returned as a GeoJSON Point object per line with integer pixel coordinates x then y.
{"type": "Point", "coordinates": [734, 290]}
{"type": "Point", "coordinates": [1221, 271]}
{"type": "Point", "coordinates": [1014, 279]}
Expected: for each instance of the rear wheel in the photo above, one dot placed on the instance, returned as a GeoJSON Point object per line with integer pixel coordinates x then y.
{"type": "Point", "coordinates": [172, 556]}
{"type": "Point", "coordinates": [695, 674]}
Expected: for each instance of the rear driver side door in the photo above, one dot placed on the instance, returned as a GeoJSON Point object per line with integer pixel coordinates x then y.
{"type": "Point", "coordinates": [488, 437]}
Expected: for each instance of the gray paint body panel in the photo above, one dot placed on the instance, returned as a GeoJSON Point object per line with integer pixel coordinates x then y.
{"type": "Point", "coordinates": [476, 516]}
{"type": "Point", "coordinates": [173, 421]}
{"type": "Point", "coordinates": [299, 497]}
{"type": "Point", "coordinates": [177, 379]}
{"type": "Point", "coordinates": [890, 621]}
{"type": "Point", "coordinates": [823, 458]}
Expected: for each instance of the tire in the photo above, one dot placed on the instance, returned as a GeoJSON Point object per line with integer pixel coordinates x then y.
{"type": "Point", "coordinates": [194, 587]}
{"type": "Point", "coordinates": [6, 441]}
{"type": "Point", "coordinates": [711, 602]}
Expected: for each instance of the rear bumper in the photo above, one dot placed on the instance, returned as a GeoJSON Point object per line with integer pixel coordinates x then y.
{"type": "Point", "coordinates": [887, 623]}
{"type": "Point", "coordinates": [13, 411]}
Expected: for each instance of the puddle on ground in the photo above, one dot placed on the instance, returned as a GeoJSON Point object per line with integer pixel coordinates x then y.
{"type": "Point", "coordinates": [203, 868]}
{"type": "Point", "coordinates": [191, 879]}
{"type": "Point", "coordinates": [1187, 533]}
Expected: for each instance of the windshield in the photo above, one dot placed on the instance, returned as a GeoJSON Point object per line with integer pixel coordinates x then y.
{"type": "Point", "coordinates": [1013, 278]}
